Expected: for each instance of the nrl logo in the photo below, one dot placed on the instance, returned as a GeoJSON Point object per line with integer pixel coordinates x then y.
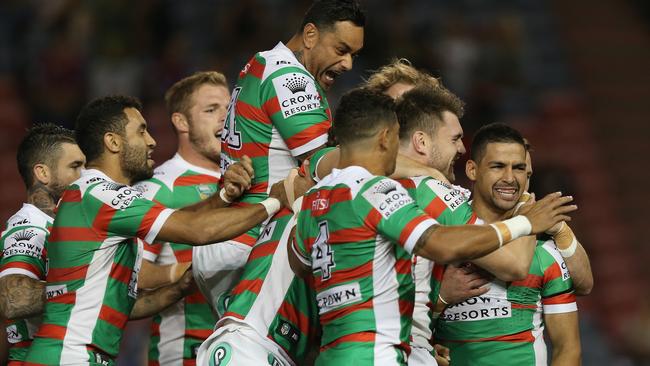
{"type": "Point", "coordinates": [296, 83]}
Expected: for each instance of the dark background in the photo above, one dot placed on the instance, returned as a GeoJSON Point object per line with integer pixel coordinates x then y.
{"type": "Point", "coordinates": [571, 75]}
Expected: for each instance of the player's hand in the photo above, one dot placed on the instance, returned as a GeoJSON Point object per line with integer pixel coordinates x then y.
{"type": "Point", "coordinates": [303, 181]}
{"type": "Point", "coordinates": [525, 199]}
{"type": "Point", "coordinates": [238, 177]}
{"type": "Point", "coordinates": [548, 211]}
{"type": "Point", "coordinates": [278, 191]}
{"type": "Point", "coordinates": [460, 283]}
{"type": "Point", "coordinates": [177, 271]}
{"type": "Point", "coordinates": [442, 355]}
{"type": "Point", "coordinates": [186, 283]}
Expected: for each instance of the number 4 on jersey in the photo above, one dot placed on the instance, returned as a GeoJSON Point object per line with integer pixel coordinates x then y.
{"type": "Point", "coordinates": [322, 252]}
{"type": "Point", "coordinates": [230, 135]}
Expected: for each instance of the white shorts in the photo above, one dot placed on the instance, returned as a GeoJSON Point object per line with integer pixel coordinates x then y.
{"type": "Point", "coordinates": [421, 357]}
{"type": "Point", "coordinates": [217, 268]}
{"type": "Point", "coordinates": [237, 344]}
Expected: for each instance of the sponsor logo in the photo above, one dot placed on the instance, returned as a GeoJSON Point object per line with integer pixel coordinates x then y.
{"type": "Point", "coordinates": [452, 198]}
{"type": "Point", "coordinates": [94, 180]}
{"type": "Point", "coordinates": [21, 222]}
{"type": "Point", "coordinates": [111, 186]}
{"type": "Point", "coordinates": [123, 196]}
{"type": "Point", "coordinates": [320, 204]}
{"type": "Point", "coordinates": [387, 197]}
{"type": "Point", "coordinates": [492, 305]}
{"type": "Point", "coordinates": [13, 336]}
{"type": "Point", "coordinates": [338, 296]}
{"type": "Point", "coordinates": [296, 94]}
{"type": "Point", "coordinates": [205, 190]}
{"type": "Point", "coordinates": [55, 290]}
{"type": "Point", "coordinates": [267, 232]}
{"type": "Point", "coordinates": [221, 355]}
{"type": "Point", "coordinates": [24, 242]}
{"type": "Point", "coordinates": [283, 62]}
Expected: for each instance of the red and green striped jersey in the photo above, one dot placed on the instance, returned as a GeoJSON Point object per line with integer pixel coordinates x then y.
{"type": "Point", "coordinates": [178, 331]}
{"type": "Point", "coordinates": [277, 112]}
{"type": "Point", "coordinates": [93, 263]}
{"type": "Point", "coordinates": [270, 298]}
{"type": "Point", "coordinates": [508, 319]}
{"type": "Point", "coordinates": [22, 252]}
{"type": "Point", "coordinates": [357, 232]}
{"type": "Point", "coordinates": [449, 206]}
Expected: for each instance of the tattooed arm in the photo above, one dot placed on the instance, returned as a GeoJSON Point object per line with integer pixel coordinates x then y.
{"type": "Point", "coordinates": [21, 297]}
{"type": "Point", "coordinates": [153, 302]}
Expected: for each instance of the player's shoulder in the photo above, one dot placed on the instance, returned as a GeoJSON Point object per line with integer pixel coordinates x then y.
{"type": "Point", "coordinates": [279, 61]}
{"type": "Point", "coordinates": [116, 195]}
{"type": "Point", "coordinates": [29, 216]}
{"type": "Point", "coordinates": [163, 178]}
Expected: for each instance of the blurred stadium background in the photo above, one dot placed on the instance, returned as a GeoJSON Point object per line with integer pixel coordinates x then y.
{"type": "Point", "coordinates": [571, 75]}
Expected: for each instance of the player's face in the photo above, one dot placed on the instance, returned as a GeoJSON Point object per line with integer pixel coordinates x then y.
{"type": "Point", "coordinates": [68, 168]}
{"type": "Point", "coordinates": [529, 170]}
{"type": "Point", "coordinates": [333, 52]}
{"type": "Point", "coordinates": [393, 148]}
{"type": "Point", "coordinates": [501, 175]}
{"type": "Point", "coordinates": [396, 90]}
{"type": "Point", "coordinates": [447, 145]}
{"type": "Point", "coordinates": [209, 104]}
{"type": "Point", "coordinates": [138, 147]}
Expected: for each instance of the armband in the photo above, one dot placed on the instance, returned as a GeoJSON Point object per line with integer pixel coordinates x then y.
{"type": "Point", "coordinates": [272, 206]}
{"type": "Point", "coordinates": [566, 241]}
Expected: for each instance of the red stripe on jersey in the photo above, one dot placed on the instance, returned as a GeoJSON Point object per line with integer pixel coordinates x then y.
{"type": "Point", "coordinates": [63, 234]}
{"type": "Point", "coordinates": [245, 239]}
{"type": "Point", "coordinates": [363, 337]}
{"type": "Point", "coordinates": [531, 281]}
{"type": "Point", "coordinates": [67, 273]}
{"type": "Point", "coordinates": [403, 266]}
{"type": "Point", "coordinates": [71, 195]}
{"type": "Point", "coordinates": [112, 316]}
{"type": "Point", "coordinates": [524, 306]}
{"type": "Point", "coordinates": [103, 218]}
{"type": "Point", "coordinates": [154, 248]}
{"type": "Point", "coordinates": [438, 272]}
{"type": "Point", "coordinates": [566, 298]}
{"type": "Point", "coordinates": [435, 208]}
{"type": "Point", "coordinates": [153, 363]}
{"type": "Point", "coordinates": [190, 362]}
{"type": "Point", "coordinates": [552, 272]}
{"type": "Point", "coordinates": [255, 149]}
{"type": "Point", "coordinates": [198, 333]}
{"type": "Point", "coordinates": [410, 226]}
{"type": "Point", "coordinates": [348, 274]}
{"type": "Point", "coordinates": [195, 298]}
{"type": "Point", "coordinates": [331, 197]}
{"type": "Point", "coordinates": [258, 188]}
{"type": "Point", "coordinates": [253, 286]}
{"type": "Point", "coordinates": [405, 307]}
{"type": "Point", "coordinates": [121, 273]}
{"type": "Point", "coordinates": [22, 344]}
{"type": "Point", "coordinates": [183, 255]}
{"type": "Point", "coordinates": [155, 329]}
{"type": "Point", "coordinates": [231, 314]}
{"type": "Point", "coordinates": [264, 250]}
{"type": "Point", "coordinates": [525, 336]}
{"type": "Point", "coordinates": [308, 134]}
{"type": "Point", "coordinates": [67, 298]}
{"type": "Point", "coordinates": [351, 235]}
{"type": "Point", "coordinates": [472, 219]}
{"type": "Point", "coordinates": [148, 220]}
{"type": "Point", "coordinates": [407, 183]}
{"type": "Point", "coordinates": [25, 266]}
{"type": "Point", "coordinates": [51, 331]}
{"type": "Point", "coordinates": [253, 68]}
{"type": "Point", "coordinates": [373, 218]}
{"type": "Point", "coordinates": [12, 363]}
{"type": "Point", "coordinates": [294, 316]}
{"type": "Point", "coordinates": [252, 113]}
{"type": "Point", "coordinates": [335, 314]}
{"type": "Point", "coordinates": [192, 180]}
{"type": "Point", "coordinates": [271, 106]}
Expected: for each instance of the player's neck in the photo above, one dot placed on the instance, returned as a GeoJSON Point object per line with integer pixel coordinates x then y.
{"type": "Point", "coordinates": [42, 197]}
{"type": "Point", "coordinates": [195, 158]}
{"type": "Point", "coordinates": [486, 212]}
{"type": "Point", "coordinates": [295, 45]}
{"type": "Point", "coordinates": [112, 169]}
{"type": "Point", "coordinates": [365, 158]}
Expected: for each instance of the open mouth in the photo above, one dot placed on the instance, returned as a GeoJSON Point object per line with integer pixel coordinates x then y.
{"type": "Point", "coordinates": [506, 193]}
{"type": "Point", "coordinates": [330, 76]}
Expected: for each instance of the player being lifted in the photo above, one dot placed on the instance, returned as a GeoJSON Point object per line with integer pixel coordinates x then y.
{"type": "Point", "coordinates": [357, 230]}
{"type": "Point", "coordinates": [93, 254]}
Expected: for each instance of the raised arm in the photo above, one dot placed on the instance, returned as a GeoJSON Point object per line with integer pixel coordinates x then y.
{"type": "Point", "coordinates": [575, 257]}
{"type": "Point", "coordinates": [21, 296]}
{"type": "Point", "coordinates": [153, 302]}
{"type": "Point", "coordinates": [154, 275]}
{"type": "Point", "coordinates": [511, 262]}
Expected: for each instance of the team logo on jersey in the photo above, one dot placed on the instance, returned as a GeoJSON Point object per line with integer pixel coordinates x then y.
{"type": "Point", "coordinates": [387, 196]}
{"type": "Point", "coordinates": [13, 335]}
{"type": "Point", "coordinates": [205, 190]}
{"type": "Point", "coordinates": [221, 355]}
{"type": "Point", "coordinates": [267, 232]}
{"type": "Point", "coordinates": [24, 242]}
{"type": "Point", "coordinates": [296, 94]}
{"type": "Point", "coordinates": [451, 197]}
{"type": "Point", "coordinates": [288, 331]}
{"type": "Point", "coordinates": [338, 296]}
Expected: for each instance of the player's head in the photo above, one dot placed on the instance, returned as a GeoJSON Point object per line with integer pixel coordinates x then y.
{"type": "Point", "coordinates": [430, 129]}
{"type": "Point", "coordinates": [398, 77]}
{"type": "Point", "coordinates": [112, 130]}
{"type": "Point", "coordinates": [331, 34]}
{"type": "Point", "coordinates": [48, 156]}
{"type": "Point", "coordinates": [497, 166]}
{"type": "Point", "coordinates": [365, 121]}
{"type": "Point", "coordinates": [197, 106]}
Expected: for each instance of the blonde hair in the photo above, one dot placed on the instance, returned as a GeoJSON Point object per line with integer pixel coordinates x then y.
{"type": "Point", "coordinates": [178, 96]}
{"type": "Point", "coordinates": [399, 70]}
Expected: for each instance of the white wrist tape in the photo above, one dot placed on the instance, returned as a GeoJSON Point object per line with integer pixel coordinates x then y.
{"type": "Point", "coordinates": [297, 205]}
{"type": "Point", "coordinates": [272, 206]}
{"type": "Point", "coordinates": [512, 229]}
{"type": "Point", "coordinates": [571, 250]}
{"type": "Point", "coordinates": [222, 194]}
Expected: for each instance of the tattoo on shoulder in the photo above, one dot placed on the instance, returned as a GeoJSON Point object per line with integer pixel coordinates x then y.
{"type": "Point", "coordinates": [298, 55]}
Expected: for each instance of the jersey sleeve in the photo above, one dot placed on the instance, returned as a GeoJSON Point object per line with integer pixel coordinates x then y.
{"type": "Point", "coordinates": [127, 213]}
{"type": "Point", "coordinates": [557, 286]}
{"type": "Point", "coordinates": [393, 212]}
{"type": "Point", "coordinates": [447, 204]}
{"type": "Point", "coordinates": [294, 104]}
{"type": "Point", "coordinates": [315, 160]}
{"type": "Point", "coordinates": [300, 243]}
{"type": "Point", "coordinates": [24, 252]}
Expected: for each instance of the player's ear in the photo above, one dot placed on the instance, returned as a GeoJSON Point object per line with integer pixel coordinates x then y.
{"type": "Point", "coordinates": [419, 141]}
{"type": "Point", "coordinates": [470, 170]}
{"type": "Point", "coordinates": [113, 142]}
{"type": "Point", "coordinates": [310, 35]}
{"type": "Point", "coordinates": [180, 122]}
{"type": "Point", "coordinates": [383, 139]}
{"type": "Point", "coordinates": [42, 173]}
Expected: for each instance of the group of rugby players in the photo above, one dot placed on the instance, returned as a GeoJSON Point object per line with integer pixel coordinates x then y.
{"type": "Point", "coordinates": [280, 234]}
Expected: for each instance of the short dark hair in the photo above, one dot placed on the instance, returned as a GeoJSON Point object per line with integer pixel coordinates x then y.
{"type": "Point", "coordinates": [178, 95]}
{"type": "Point", "coordinates": [494, 133]}
{"type": "Point", "coordinates": [361, 113]}
{"type": "Point", "coordinates": [421, 108]}
{"type": "Point", "coordinates": [41, 145]}
{"type": "Point", "coordinates": [324, 13]}
{"type": "Point", "coordinates": [99, 117]}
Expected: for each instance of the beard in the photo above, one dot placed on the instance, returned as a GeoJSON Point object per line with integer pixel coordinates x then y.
{"type": "Point", "coordinates": [134, 164]}
{"type": "Point", "coordinates": [204, 145]}
{"type": "Point", "coordinates": [437, 162]}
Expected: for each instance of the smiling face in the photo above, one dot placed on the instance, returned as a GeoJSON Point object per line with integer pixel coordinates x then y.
{"type": "Point", "coordinates": [137, 163]}
{"type": "Point", "coordinates": [329, 53]}
{"type": "Point", "coordinates": [500, 176]}
{"type": "Point", "coordinates": [447, 145]}
{"type": "Point", "coordinates": [206, 115]}
{"type": "Point", "coordinates": [67, 168]}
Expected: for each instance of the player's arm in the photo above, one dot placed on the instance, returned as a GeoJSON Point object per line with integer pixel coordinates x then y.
{"type": "Point", "coordinates": [446, 244]}
{"type": "Point", "coordinates": [458, 284]}
{"type": "Point", "coordinates": [153, 302]}
{"type": "Point", "coordinates": [21, 296]}
{"type": "Point", "coordinates": [575, 257]}
{"type": "Point", "coordinates": [562, 329]}
{"type": "Point", "coordinates": [511, 262]}
{"type": "Point", "coordinates": [154, 275]}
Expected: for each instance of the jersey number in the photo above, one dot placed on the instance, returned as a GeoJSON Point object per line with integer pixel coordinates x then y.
{"type": "Point", "coordinates": [323, 255]}
{"type": "Point", "coordinates": [230, 135]}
